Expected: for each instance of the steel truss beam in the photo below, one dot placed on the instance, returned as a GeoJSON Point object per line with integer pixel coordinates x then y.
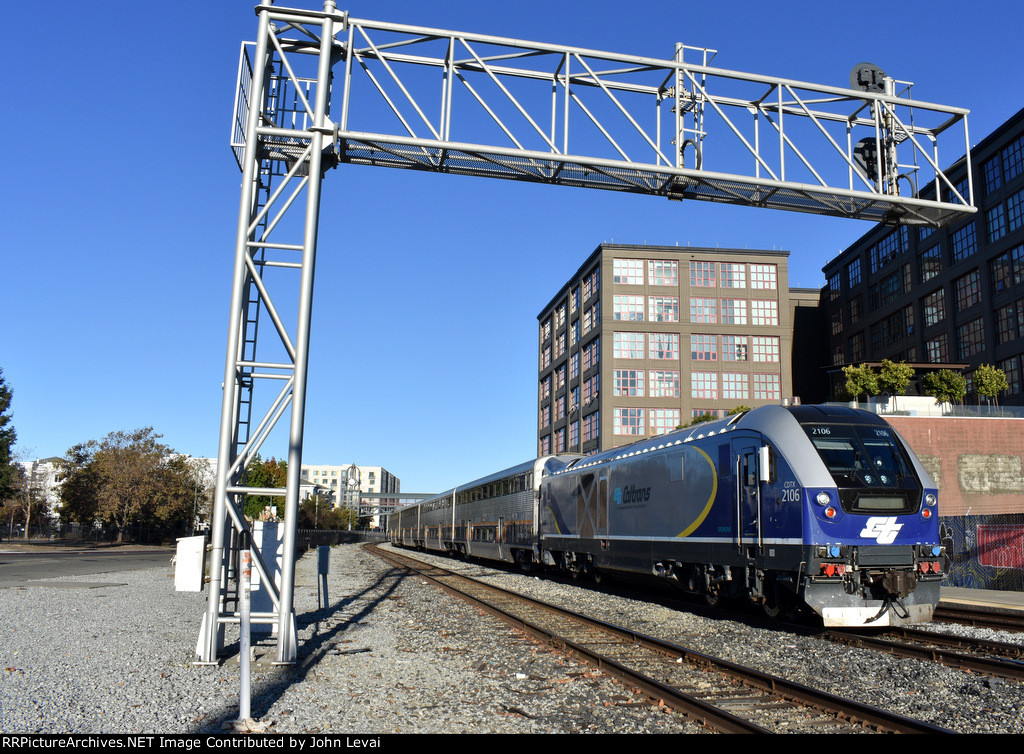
{"type": "Point", "coordinates": [469, 104]}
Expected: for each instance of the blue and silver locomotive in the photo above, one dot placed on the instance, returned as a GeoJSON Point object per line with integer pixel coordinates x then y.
{"type": "Point", "coordinates": [816, 507]}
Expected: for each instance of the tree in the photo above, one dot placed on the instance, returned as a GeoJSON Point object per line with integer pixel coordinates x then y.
{"type": "Point", "coordinates": [26, 504]}
{"type": "Point", "coordinates": [700, 419]}
{"type": "Point", "coordinates": [130, 467]}
{"type": "Point", "coordinates": [861, 380]}
{"type": "Point", "coordinates": [894, 378]}
{"type": "Point", "coordinates": [990, 382]}
{"type": "Point", "coordinates": [8, 467]}
{"type": "Point", "coordinates": [79, 490]}
{"type": "Point", "coordinates": [260, 473]}
{"type": "Point", "coordinates": [128, 478]}
{"type": "Point", "coordinates": [945, 385]}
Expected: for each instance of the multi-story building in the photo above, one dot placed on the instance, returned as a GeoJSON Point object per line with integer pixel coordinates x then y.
{"type": "Point", "coordinates": [940, 298]}
{"type": "Point", "coordinates": [346, 484]}
{"type": "Point", "coordinates": [644, 338]}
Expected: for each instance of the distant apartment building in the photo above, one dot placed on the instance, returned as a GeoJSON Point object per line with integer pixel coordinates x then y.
{"type": "Point", "coordinates": [644, 338]}
{"type": "Point", "coordinates": [940, 298]}
{"type": "Point", "coordinates": [347, 485]}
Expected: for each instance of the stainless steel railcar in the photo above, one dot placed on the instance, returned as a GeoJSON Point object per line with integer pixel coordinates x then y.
{"type": "Point", "coordinates": [494, 517]}
{"type": "Point", "coordinates": [823, 507]}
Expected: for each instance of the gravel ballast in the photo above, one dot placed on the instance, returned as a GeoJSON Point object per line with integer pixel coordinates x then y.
{"type": "Point", "coordinates": [115, 653]}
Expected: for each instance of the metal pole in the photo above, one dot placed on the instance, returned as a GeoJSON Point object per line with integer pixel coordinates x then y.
{"type": "Point", "coordinates": [210, 645]}
{"type": "Point", "coordinates": [244, 681]}
{"type": "Point", "coordinates": [286, 642]}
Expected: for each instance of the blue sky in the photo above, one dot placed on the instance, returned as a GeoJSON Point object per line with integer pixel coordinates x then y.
{"type": "Point", "coordinates": [119, 200]}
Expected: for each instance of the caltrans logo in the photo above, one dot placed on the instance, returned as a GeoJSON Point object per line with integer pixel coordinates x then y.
{"type": "Point", "coordinates": [881, 529]}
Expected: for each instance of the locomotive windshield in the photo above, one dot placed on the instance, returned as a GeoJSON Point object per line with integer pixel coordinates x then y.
{"type": "Point", "coordinates": [869, 466]}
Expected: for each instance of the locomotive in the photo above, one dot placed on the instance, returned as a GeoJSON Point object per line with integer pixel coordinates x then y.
{"type": "Point", "coordinates": [791, 508]}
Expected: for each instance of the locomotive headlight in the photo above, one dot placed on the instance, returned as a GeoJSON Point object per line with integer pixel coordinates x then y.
{"type": "Point", "coordinates": [833, 551]}
{"type": "Point", "coordinates": [929, 500]}
{"type": "Point", "coordinates": [822, 498]}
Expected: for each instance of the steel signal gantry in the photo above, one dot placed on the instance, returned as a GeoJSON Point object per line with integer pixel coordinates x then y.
{"type": "Point", "coordinates": [318, 89]}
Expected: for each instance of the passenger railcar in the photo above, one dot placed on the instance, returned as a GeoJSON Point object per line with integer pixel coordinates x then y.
{"type": "Point", "coordinates": [802, 506]}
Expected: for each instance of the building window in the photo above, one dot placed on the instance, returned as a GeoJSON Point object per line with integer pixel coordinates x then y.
{"type": "Point", "coordinates": [628, 421]}
{"type": "Point", "coordinates": [930, 263]}
{"type": "Point", "coordinates": [1017, 263]}
{"type": "Point", "coordinates": [704, 347]}
{"type": "Point", "coordinates": [767, 387]}
{"type": "Point", "coordinates": [704, 385]}
{"type": "Point", "coordinates": [764, 312]}
{"type": "Point", "coordinates": [970, 338]}
{"type": "Point", "coordinates": [629, 345]}
{"type": "Point", "coordinates": [993, 174]}
{"type": "Point", "coordinates": [560, 407]}
{"type": "Point", "coordinates": [853, 273]}
{"type": "Point", "coordinates": [735, 386]}
{"type": "Point", "coordinates": [628, 271]}
{"type": "Point", "coordinates": [663, 420]}
{"type": "Point", "coordinates": [734, 311]}
{"type": "Point", "coordinates": [664, 345]}
{"type": "Point", "coordinates": [734, 348]}
{"type": "Point", "coordinates": [664, 383]}
{"type": "Point", "coordinates": [544, 446]}
{"type": "Point", "coordinates": [886, 250]}
{"type": "Point", "coordinates": [545, 387]}
{"type": "Point", "coordinates": [962, 243]}
{"type": "Point", "coordinates": [734, 275]}
{"type": "Point", "coordinates": [937, 350]}
{"type": "Point", "coordinates": [996, 220]}
{"type": "Point", "coordinates": [663, 272]}
{"type": "Point", "coordinates": [591, 354]}
{"type": "Point", "coordinates": [967, 290]}
{"type": "Point", "coordinates": [702, 274]}
{"type": "Point", "coordinates": [663, 308]}
{"type": "Point", "coordinates": [574, 433]}
{"type": "Point", "coordinates": [856, 309]}
{"type": "Point", "coordinates": [1000, 272]}
{"type": "Point", "coordinates": [766, 349]}
{"type": "Point", "coordinates": [591, 388]}
{"type": "Point", "coordinates": [703, 310]}
{"type": "Point", "coordinates": [934, 306]}
{"type": "Point", "coordinates": [591, 284]}
{"type": "Point", "coordinates": [574, 366]}
{"type": "Point", "coordinates": [628, 382]}
{"type": "Point", "coordinates": [591, 426]}
{"type": "Point", "coordinates": [1006, 324]}
{"type": "Point", "coordinates": [764, 277]}
{"type": "Point", "coordinates": [545, 416]}
{"type": "Point", "coordinates": [1011, 368]}
{"type": "Point", "coordinates": [1013, 159]}
{"type": "Point", "coordinates": [628, 308]}
{"type": "Point", "coordinates": [1015, 211]}
{"type": "Point", "coordinates": [857, 347]}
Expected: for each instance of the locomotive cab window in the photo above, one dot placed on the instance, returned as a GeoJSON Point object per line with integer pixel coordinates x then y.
{"type": "Point", "coordinates": [869, 466]}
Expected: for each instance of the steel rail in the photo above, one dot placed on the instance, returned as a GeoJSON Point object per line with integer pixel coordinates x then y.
{"type": "Point", "coordinates": [927, 645]}
{"type": "Point", "coordinates": [844, 710]}
{"type": "Point", "coordinates": [1002, 620]}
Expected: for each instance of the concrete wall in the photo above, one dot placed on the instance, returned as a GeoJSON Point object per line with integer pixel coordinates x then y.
{"type": "Point", "coordinates": [977, 463]}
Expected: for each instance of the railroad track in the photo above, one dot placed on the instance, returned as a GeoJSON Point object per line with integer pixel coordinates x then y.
{"type": "Point", "coordinates": [720, 695]}
{"type": "Point", "coordinates": [976, 655]}
{"type": "Point", "coordinates": [1000, 620]}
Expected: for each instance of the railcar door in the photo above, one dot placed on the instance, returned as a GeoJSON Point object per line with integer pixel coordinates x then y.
{"type": "Point", "coordinates": [748, 495]}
